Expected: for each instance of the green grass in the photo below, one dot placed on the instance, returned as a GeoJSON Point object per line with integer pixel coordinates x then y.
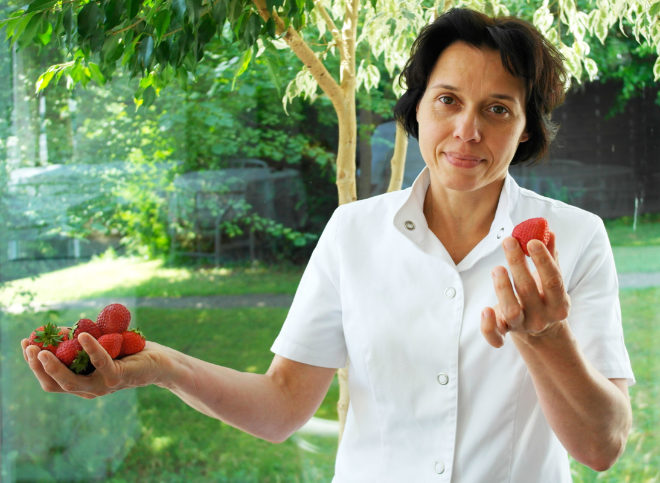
{"type": "Point", "coordinates": [640, 462]}
{"type": "Point", "coordinates": [631, 259]}
{"type": "Point", "coordinates": [130, 277]}
{"type": "Point", "coordinates": [624, 232]}
{"type": "Point", "coordinates": [153, 435]}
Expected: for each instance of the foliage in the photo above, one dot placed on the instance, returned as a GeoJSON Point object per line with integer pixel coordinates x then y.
{"type": "Point", "coordinates": [160, 40]}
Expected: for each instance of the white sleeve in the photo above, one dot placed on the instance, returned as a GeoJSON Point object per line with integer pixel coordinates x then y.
{"type": "Point", "coordinates": [595, 315]}
{"type": "Point", "coordinates": [312, 332]}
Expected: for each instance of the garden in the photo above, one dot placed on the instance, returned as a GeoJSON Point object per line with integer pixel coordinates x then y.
{"type": "Point", "coordinates": [178, 157]}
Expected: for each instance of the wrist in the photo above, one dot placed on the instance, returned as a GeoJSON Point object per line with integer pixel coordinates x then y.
{"type": "Point", "coordinates": [168, 368]}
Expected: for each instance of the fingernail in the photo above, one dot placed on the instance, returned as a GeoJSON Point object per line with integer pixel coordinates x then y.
{"type": "Point", "coordinates": [534, 248]}
{"type": "Point", "coordinates": [510, 244]}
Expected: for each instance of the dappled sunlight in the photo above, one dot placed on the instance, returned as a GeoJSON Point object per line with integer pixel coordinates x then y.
{"type": "Point", "coordinates": [160, 443]}
{"type": "Point", "coordinates": [80, 281]}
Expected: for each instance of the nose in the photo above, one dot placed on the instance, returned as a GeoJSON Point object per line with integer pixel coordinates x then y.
{"type": "Point", "coordinates": [466, 126]}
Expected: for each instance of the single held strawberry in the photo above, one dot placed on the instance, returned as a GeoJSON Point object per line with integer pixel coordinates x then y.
{"type": "Point", "coordinates": [114, 318]}
{"type": "Point", "coordinates": [86, 325]}
{"type": "Point", "coordinates": [112, 343]}
{"type": "Point", "coordinates": [133, 342]}
{"type": "Point", "coordinates": [531, 229]}
{"type": "Point", "coordinates": [48, 336]}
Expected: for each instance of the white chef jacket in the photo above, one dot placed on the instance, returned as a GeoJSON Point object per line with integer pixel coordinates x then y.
{"type": "Point", "coordinates": [431, 401]}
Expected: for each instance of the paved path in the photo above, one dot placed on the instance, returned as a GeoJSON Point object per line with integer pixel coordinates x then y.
{"type": "Point", "coordinates": [639, 280]}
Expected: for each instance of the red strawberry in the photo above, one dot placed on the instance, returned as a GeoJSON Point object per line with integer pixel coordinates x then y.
{"type": "Point", "coordinates": [68, 350]}
{"type": "Point", "coordinates": [48, 336]}
{"type": "Point", "coordinates": [86, 325]}
{"type": "Point", "coordinates": [111, 343]}
{"type": "Point", "coordinates": [133, 342]}
{"type": "Point", "coordinates": [114, 318]}
{"type": "Point", "coordinates": [532, 229]}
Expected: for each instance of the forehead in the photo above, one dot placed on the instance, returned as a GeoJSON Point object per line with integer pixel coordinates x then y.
{"type": "Point", "coordinates": [465, 66]}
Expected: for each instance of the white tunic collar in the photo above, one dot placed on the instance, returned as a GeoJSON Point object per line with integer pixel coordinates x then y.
{"type": "Point", "coordinates": [409, 219]}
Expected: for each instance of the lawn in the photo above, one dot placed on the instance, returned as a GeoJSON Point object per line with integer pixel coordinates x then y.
{"type": "Point", "coordinates": [149, 435]}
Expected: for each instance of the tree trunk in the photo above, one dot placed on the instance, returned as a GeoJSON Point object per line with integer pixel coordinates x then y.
{"type": "Point", "coordinates": [342, 96]}
{"type": "Point", "coordinates": [398, 161]}
{"type": "Point", "coordinates": [365, 123]}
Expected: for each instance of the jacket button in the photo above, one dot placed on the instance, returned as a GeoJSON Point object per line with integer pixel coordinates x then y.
{"type": "Point", "coordinates": [443, 379]}
{"type": "Point", "coordinates": [450, 292]}
{"type": "Point", "coordinates": [409, 225]}
{"type": "Point", "coordinates": [439, 467]}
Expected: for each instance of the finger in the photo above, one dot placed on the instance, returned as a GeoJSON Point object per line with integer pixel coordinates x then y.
{"type": "Point", "coordinates": [24, 345]}
{"type": "Point", "coordinates": [509, 308]}
{"type": "Point", "coordinates": [36, 363]}
{"type": "Point", "coordinates": [65, 379]}
{"type": "Point", "coordinates": [552, 283]}
{"type": "Point", "coordinates": [552, 247]}
{"type": "Point", "coordinates": [523, 281]}
{"type": "Point", "coordinates": [100, 359]}
{"type": "Point", "coordinates": [489, 328]}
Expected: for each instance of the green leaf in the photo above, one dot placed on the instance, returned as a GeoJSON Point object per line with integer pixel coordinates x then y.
{"type": "Point", "coordinates": [206, 30]}
{"type": "Point", "coordinates": [219, 12]}
{"type": "Point", "coordinates": [194, 10]}
{"type": "Point", "coordinates": [146, 51]}
{"type": "Point", "coordinates": [41, 5]}
{"type": "Point", "coordinates": [46, 33]}
{"type": "Point", "coordinates": [243, 65]}
{"type": "Point", "coordinates": [234, 11]}
{"type": "Point", "coordinates": [252, 29]}
{"type": "Point", "coordinates": [113, 10]}
{"type": "Point", "coordinates": [133, 7]}
{"type": "Point", "coordinates": [112, 49]}
{"type": "Point", "coordinates": [163, 53]}
{"type": "Point", "coordinates": [148, 96]}
{"type": "Point", "coordinates": [88, 19]}
{"type": "Point", "coordinates": [44, 79]}
{"type": "Point", "coordinates": [95, 73]}
{"type": "Point", "coordinates": [31, 31]}
{"type": "Point", "coordinates": [654, 11]}
{"type": "Point", "coordinates": [180, 8]}
{"type": "Point", "coordinates": [16, 27]}
{"type": "Point", "coordinates": [161, 23]}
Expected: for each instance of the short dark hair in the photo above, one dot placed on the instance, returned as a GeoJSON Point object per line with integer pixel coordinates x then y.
{"type": "Point", "coordinates": [525, 53]}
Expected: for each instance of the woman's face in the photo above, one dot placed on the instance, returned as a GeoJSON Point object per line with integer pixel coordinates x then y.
{"type": "Point", "coordinates": [471, 118]}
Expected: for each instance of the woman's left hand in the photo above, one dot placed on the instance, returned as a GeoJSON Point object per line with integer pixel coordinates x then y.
{"type": "Point", "coordinates": [539, 302]}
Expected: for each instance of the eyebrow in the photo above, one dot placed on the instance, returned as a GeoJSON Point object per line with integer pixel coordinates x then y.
{"type": "Point", "coordinates": [496, 95]}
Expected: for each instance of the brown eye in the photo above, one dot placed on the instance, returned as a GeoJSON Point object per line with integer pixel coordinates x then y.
{"type": "Point", "coordinates": [499, 110]}
{"type": "Point", "coordinates": [446, 100]}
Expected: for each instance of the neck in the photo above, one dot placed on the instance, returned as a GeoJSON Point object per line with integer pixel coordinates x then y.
{"type": "Point", "coordinates": [460, 220]}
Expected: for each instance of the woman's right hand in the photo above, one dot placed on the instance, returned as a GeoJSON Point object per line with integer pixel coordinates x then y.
{"type": "Point", "coordinates": [109, 376]}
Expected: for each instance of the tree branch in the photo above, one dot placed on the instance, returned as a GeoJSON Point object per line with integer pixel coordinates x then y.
{"type": "Point", "coordinates": [299, 47]}
{"type": "Point", "coordinates": [349, 35]}
{"type": "Point", "coordinates": [330, 23]}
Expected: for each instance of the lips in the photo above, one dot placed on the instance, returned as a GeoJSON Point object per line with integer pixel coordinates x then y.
{"type": "Point", "coordinates": [462, 160]}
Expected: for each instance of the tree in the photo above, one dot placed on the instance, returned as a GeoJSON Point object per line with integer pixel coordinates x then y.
{"type": "Point", "coordinates": [160, 40]}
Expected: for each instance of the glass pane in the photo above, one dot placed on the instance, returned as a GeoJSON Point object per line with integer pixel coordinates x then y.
{"type": "Point", "coordinates": [199, 212]}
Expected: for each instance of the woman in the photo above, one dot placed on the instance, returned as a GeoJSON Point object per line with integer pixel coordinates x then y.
{"type": "Point", "coordinates": [412, 288]}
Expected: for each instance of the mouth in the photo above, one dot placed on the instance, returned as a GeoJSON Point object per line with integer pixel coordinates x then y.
{"type": "Point", "coordinates": [461, 160]}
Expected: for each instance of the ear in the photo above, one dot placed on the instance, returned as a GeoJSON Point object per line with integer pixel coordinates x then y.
{"type": "Point", "coordinates": [524, 137]}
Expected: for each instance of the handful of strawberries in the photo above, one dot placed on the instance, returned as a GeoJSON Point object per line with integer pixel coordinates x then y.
{"type": "Point", "coordinates": [110, 329]}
